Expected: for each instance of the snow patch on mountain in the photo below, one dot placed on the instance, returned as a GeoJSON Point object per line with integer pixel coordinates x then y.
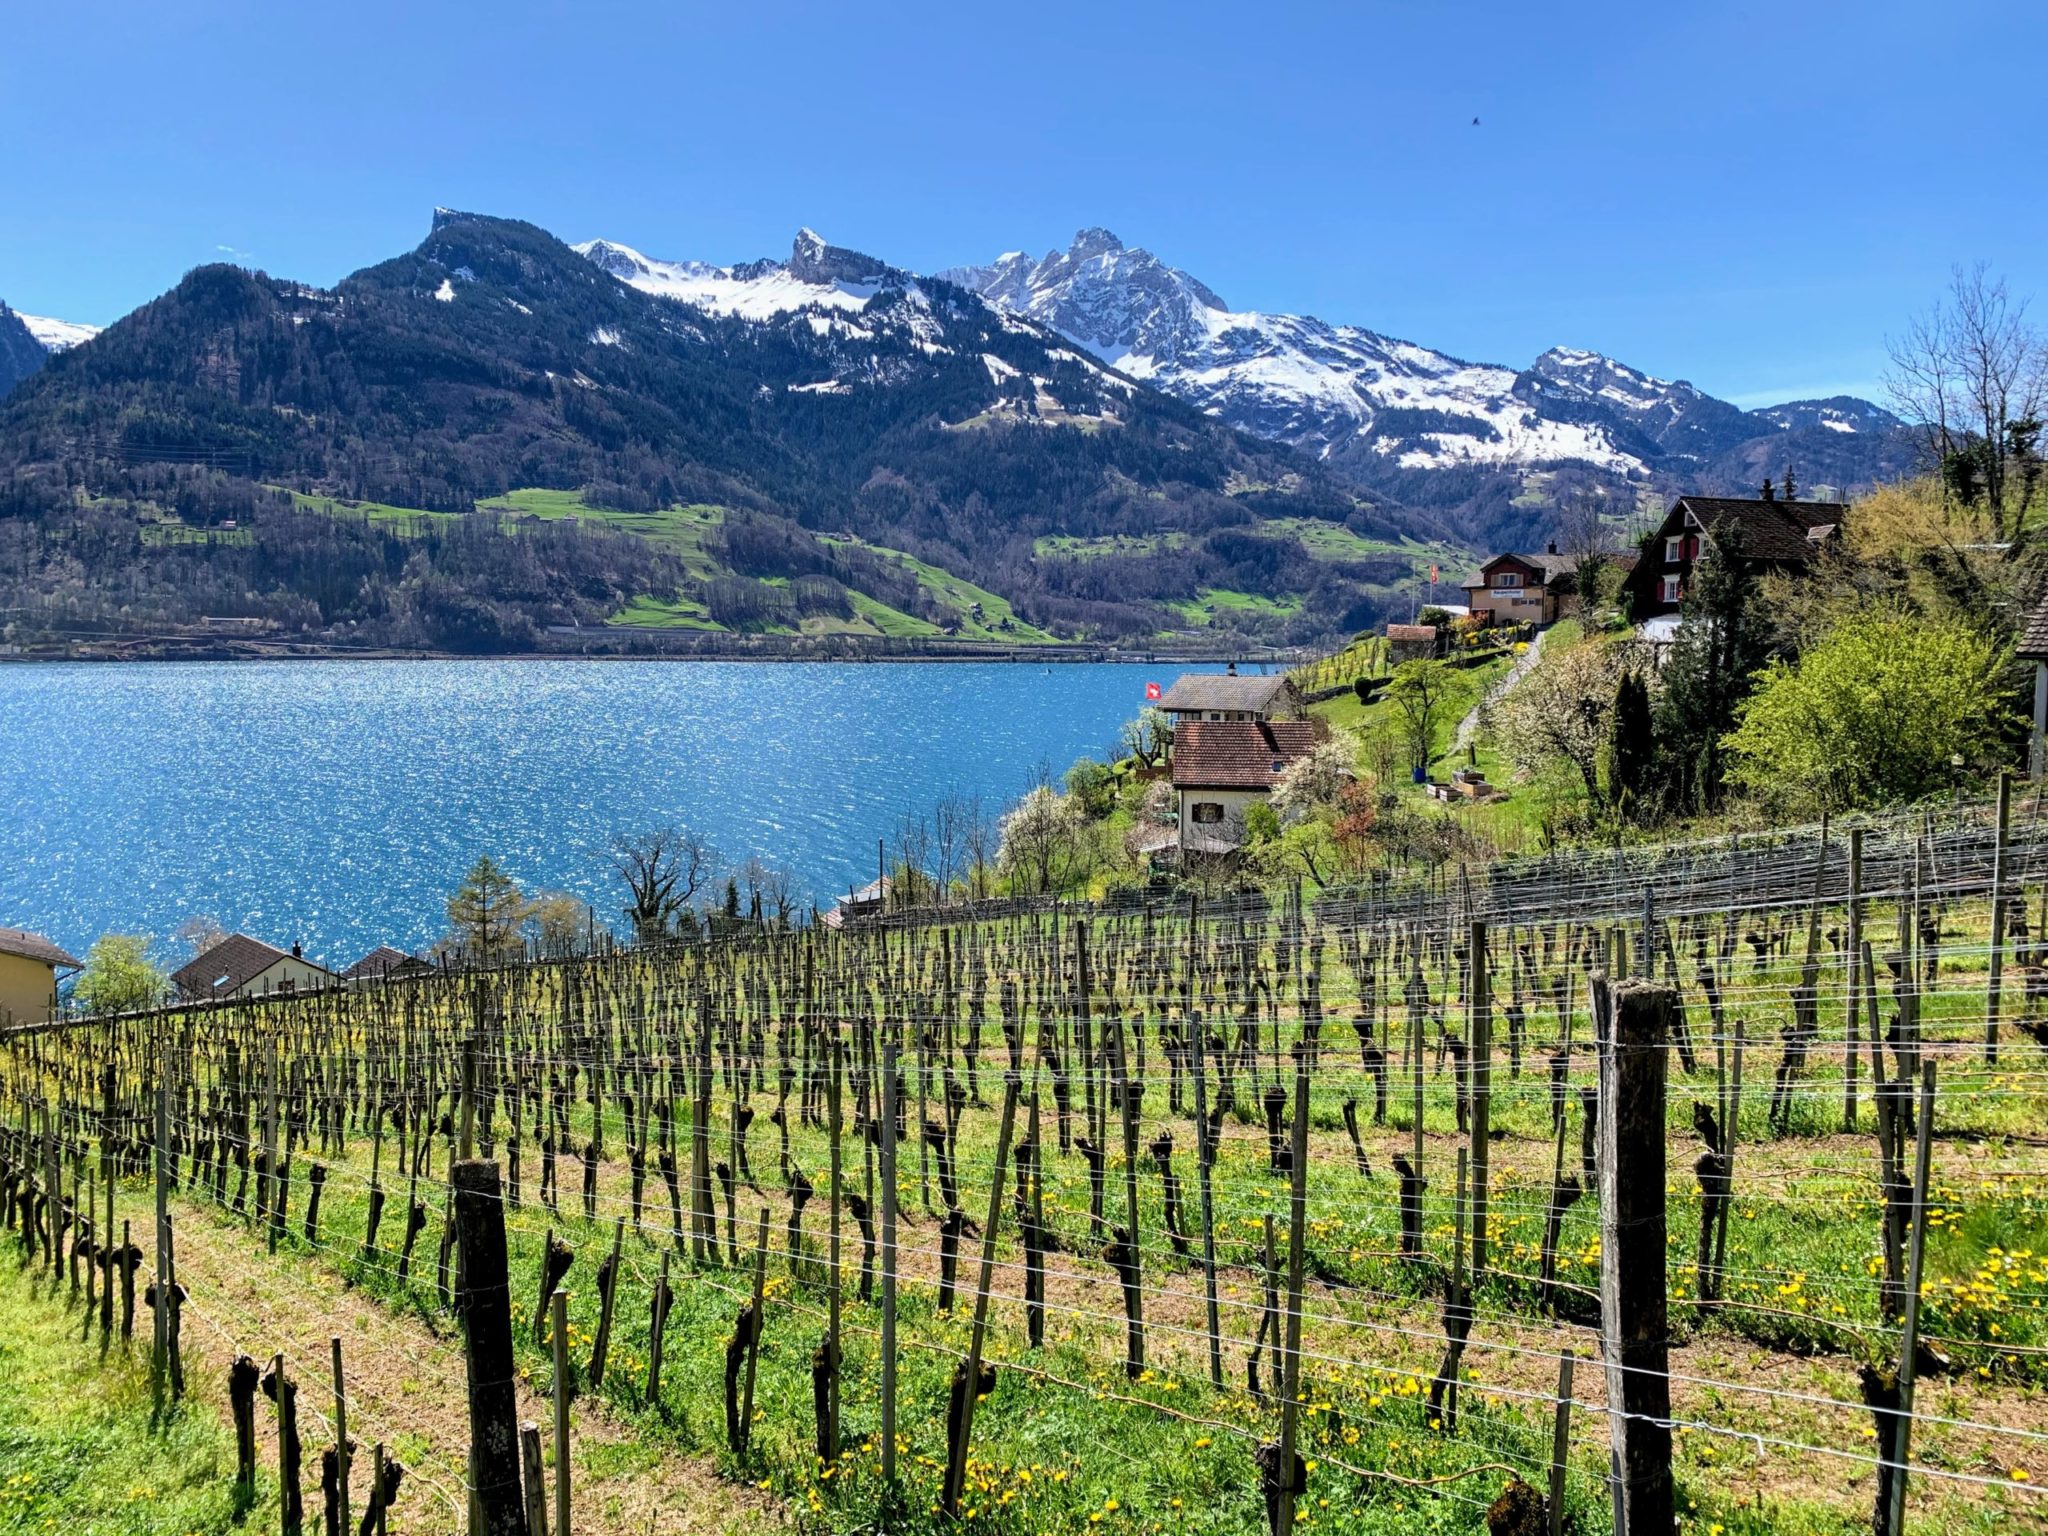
{"type": "Point", "coordinates": [58, 335]}
{"type": "Point", "coordinates": [755, 290]}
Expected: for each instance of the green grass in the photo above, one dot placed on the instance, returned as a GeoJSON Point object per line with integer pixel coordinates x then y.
{"type": "Point", "coordinates": [1219, 606]}
{"type": "Point", "coordinates": [997, 619]}
{"type": "Point", "coordinates": [80, 1450]}
{"type": "Point", "coordinates": [665, 613]}
{"type": "Point", "coordinates": [879, 617]}
{"type": "Point", "coordinates": [404, 519]}
{"type": "Point", "coordinates": [1069, 546]}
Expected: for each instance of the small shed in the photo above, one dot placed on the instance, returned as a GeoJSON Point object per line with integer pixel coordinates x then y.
{"type": "Point", "coordinates": [1413, 642]}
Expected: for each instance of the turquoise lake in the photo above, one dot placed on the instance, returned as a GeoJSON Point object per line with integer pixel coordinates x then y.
{"type": "Point", "coordinates": [336, 803]}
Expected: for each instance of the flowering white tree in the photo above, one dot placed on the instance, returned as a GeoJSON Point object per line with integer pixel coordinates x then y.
{"type": "Point", "coordinates": [1044, 843]}
{"type": "Point", "coordinates": [1312, 783]}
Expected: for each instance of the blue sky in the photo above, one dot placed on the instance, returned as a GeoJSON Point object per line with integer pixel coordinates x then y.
{"type": "Point", "coordinates": [1749, 195]}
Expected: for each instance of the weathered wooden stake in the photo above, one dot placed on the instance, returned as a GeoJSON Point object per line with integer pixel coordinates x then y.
{"type": "Point", "coordinates": [1198, 1031]}
{"type": "Point", "coordinates": [1994, 983]}
{"type": "Point", "coordinates": [657, 1330]}
{"type": "Point", "coordinates": [561, 1322]}
{"type": "Point", "coordinates": [755, 1324]}
{"type": "Point", "coordinates": [494, 1474]}
{"type": "Point", "coordinates": [1560, 1445]}
{"type": "Point", "coordinates": [1287, 1471]}
{"type": "Point", "coordinates": [968, 1384]}
{"type": "Point", "coordinates": [342, 1454]}
{"type": "Point", "coordinates": [1635, 1337]}
{"type": "Point", "coordinates": [888, 1196]}
{"type": "Point", "coordinates": [536, 1479]}
{"type": "Point", "coordinates": [1480, 1002]}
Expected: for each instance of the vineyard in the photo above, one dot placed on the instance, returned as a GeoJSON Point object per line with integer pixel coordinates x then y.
{"type": "Point", "coordinates": [1700, 1184]}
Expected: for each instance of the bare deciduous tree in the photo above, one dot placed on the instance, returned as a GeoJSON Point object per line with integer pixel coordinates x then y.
{"type": "Point", "coordinates": [663, 870]}
{"type": "Point", "coordinates": [978, 845]}
{"type": "Point", "coordinates": [1971, 377]}
{"type": "Point", "coordinates": [949, 830]}
{"type": "Point", "coordinates": [912, 886]}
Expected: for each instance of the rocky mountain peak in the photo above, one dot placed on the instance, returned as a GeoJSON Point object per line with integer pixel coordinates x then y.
{"type": "Point", "coordinates": [813, 259]}
{"type": "Point", "coordinates": [1093, 242]}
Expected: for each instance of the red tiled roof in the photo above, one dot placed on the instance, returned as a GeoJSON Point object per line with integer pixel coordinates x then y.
{"type": "Point", "coordinates": [229, 966]}
{"type": "Point", "coordinates": [1239, 754]}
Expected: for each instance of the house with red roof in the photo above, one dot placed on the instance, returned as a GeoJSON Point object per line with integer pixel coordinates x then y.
{"type": "Point", "coordinates": [1223, 767]}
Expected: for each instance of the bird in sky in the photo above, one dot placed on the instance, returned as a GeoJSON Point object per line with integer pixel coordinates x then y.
{"type": "Point", "coordinates": [1475, 122]}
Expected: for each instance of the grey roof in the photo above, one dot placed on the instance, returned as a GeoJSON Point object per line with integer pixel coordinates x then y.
{"type": "Point", "coordinates": [1195, 691]}
{"type": "Point", "coordinates": [33, 946]}
{"type": "Point", "coordinates": [1790, 532]}
{"type": "Point", "coordinates": [2033, 644]}
{"type": "Point", "coordinates": [384, 960]}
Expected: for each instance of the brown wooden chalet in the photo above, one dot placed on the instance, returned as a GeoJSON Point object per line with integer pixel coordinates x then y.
{"type": "Point", "coordinates": [1525, 589]}
{"type": "Point", "coordinates": [1771, 535]}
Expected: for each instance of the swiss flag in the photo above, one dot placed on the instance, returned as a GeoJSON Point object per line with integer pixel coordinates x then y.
{"type": "Point", "coordinates": [1432, 575]}
{"type": "Point", "coordinates": [1153, 693]}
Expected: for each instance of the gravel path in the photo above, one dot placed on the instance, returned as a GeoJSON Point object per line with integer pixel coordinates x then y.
{"type": "Point", "coordinates": [1502, 686]}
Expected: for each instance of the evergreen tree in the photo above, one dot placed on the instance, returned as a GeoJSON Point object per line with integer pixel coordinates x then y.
{"type": "Point", "coordinates": [1722, 642]}
{"type": "Point", "coordinates": [732, 899]}
{"type": "Point", "coordinates": [485, 912]}
{"type": "Point", "coordinates": [1632, 748]}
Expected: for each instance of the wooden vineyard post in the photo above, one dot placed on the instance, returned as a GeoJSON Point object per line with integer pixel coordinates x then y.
{"type": "Point", "coordinates": [1895, 1417]}
{"type": "Point", "coordinates": [657, 1330]}
{"type": "Point", "coordinates": [1284, 1476]}
{"type": "Point", "coordinates": [1853, 946]}
{"type": "Point", "coordinates": [269, 1187]}
{"type": "Point", "coordinates": [1125, 1251]}
{"type": "Point", "coordinates": [160, 1353]}
{"type": "Point", "coordinates": [1633, 1323]}
{"type": "Point", "coordinates": [888, 1194]}
{"type": "Point", "coordinates": [754, 1325]}
{"type": "Point", "coordinates": [494, 1473]}
{"type": "Point", "coordinates": [1198, 1031]}
{"type": "Point", "coordinates": [1994, 983]}
{"type": "Point", "coordinates": [968, 1382]}
{"type": "Point", "coordinates": [560, 1304]}
{"type": "Point", "coordinates": [829, 1353]}
{"type": "Point", "coordinates": [341, 1446]}
{"type": "Point", "coordinates": [536, 1479]}
{"type": "Point", "coordinates": [1560, 1444]}
{"type": "Point", "coordinates": [1481, 1005]}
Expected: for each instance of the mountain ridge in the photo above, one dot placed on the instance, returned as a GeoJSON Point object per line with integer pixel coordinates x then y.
{"type": "Point", "coordinates": [1383, 408]}
{"type": "Point", "coordinates": [862, 408]}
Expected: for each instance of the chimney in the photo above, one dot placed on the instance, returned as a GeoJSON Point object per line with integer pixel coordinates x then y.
{"type": "Point", "coordinates": [298, 951]}
{"type": "Point", "coordinates": [1553, 547]}
{"type": "Point", "coordinates": [1770, 492]}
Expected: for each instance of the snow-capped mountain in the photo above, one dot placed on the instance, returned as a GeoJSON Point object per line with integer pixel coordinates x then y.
{"type": "Point", "coordinates": [59, 335]}
{"type": "Point", "coordinates": [849, 300]}
{"type": "Point", "coordinates": [817, 275]}
{"type": "Point", "coordinates": [27, 340]}
{"type": "Point", "coordinates": [1374, 403]}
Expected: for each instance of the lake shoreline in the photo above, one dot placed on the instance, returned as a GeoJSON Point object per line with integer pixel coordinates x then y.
{"type": "Point", "coordinates": [1062, 655]}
